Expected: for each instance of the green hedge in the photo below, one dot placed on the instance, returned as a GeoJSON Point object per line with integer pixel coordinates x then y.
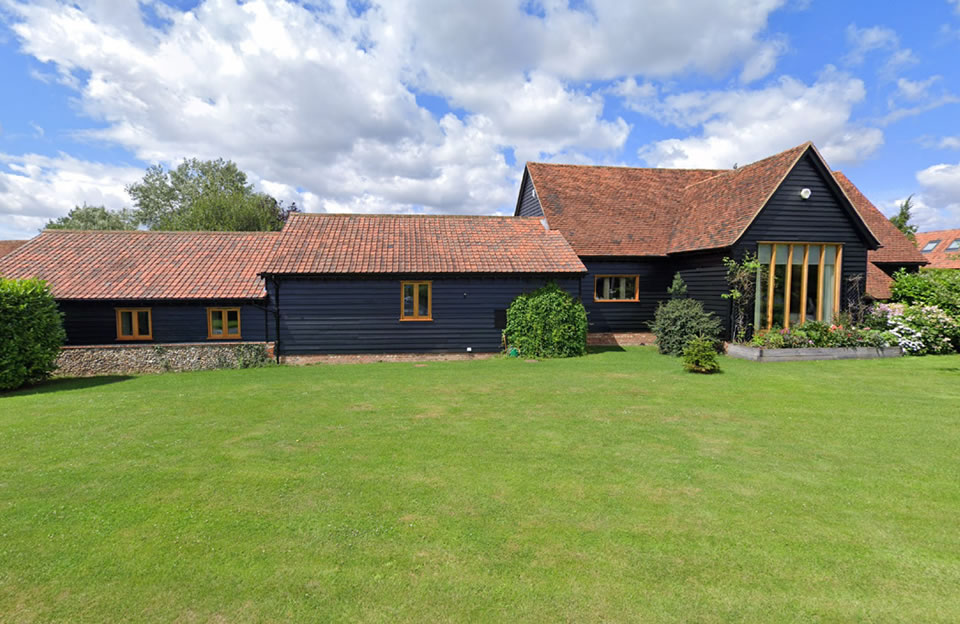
{"type": "Point", "coordinates": [929, 287]}
{"type": "Point", "coordinates": [547, 323]}
{"type": "Point", "coordinates": [31, 332]}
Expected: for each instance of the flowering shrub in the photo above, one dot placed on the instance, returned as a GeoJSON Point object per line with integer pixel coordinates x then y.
{"type": "Point", "coordinates": [817, 334]}
{"type": "Point", "coordinates": [919, 329]}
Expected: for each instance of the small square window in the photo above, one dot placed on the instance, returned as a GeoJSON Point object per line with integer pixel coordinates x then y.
{"type": "Point", "coordinates": [223, 323]}
{"type": "Point", "coordinates": [134, 324]}
{"type": "Point", "coordinates": [416, 301]}
{"type": "Point", "coordinates": [930, 246]}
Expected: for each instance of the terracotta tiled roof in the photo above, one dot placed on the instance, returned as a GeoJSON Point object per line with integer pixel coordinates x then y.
{"type": "Point", "coordinates": [352, 244]}
{"type": "Point", "coordinates": [145, 265]}
{"type": "Point", "coordinates": [896, 248]}
{"type": "Point", "coordinates": [878, 283]}
{"type": "Point", "coordinates": [7, 246]}
{"type": "Point", "coordinates": [940, 258]}
{"type": "Point", "coordinates": [716, 211]}
{"type": "Point", "coordinates": [616, 211]}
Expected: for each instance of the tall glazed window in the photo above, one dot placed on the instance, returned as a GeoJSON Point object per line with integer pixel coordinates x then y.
{"type": "Point", "coordinates": [797, 282]}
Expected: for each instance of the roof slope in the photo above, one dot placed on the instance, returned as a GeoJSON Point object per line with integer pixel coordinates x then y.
{"type": "Point", "coordinates": [622, 211]}
{"type": "Point", "coordinates": [356, 244]}
{"type": "Point", "coordinates": [897, 248]}
{"type": "Point", "coordinates": [145, 265]}
{"type": "Point", "coordinates": [7, 246]}
{"type": "Point", "coordinates": [717, 211]}
{"type": "Point", "coordinates": [940, 258]}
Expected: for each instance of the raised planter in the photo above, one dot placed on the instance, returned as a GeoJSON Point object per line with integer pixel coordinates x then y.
{"type": "Point", "coordinates": [760, 354]}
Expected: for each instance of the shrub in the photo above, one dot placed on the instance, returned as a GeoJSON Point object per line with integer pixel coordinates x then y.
{"type": "Point", "coordinates": [700, 355]}
{"type": "Point", "coordinates": [31, 332]}
{"type": "Point", "coordinates": [929, 287]}
{"type": "Point", "coordinates": [814, 334]}
{"type": "Point", "coordinates": [679, 320]}
{"type": "Point", "coordinates": [919, 329]}
{"type": "Point", "coordinates": [547, 323]}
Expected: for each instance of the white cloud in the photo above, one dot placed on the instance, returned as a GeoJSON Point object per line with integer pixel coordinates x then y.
{"type": "Point", "coordinates": [864, 41]}
{"type": "Point", "coordinates": [36, 188]}
{"type": "Point", "coordinates": [741, 126]}
{"type": "Point", "coordinates": [322, 105]}
{"type": "Point", "coordinates": [915, 89]}
{"type": "Point", "coordinates": [939, 196]}
{"type": "Point", "coordinates": [948, 142]}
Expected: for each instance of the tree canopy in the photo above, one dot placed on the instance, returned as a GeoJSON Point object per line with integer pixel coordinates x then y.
{"type": "Point", "coordinates": [88, 217]}
{"type": "Point", "coordinates": [902, 219]}
{"type": "Point", "coordinates": [212, 195]}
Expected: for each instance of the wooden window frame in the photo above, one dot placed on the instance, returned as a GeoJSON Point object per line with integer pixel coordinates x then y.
{"type": "Point", "coordinates": [224, 335]}
{"type": "Point", "coordinates": [133, 323]}
{"type": "Point", "coordinates": [794, 247]}
{"type": "Point", "coordinates": [636, 288]}
{"type": "Point", "coordinates": [416, 300]}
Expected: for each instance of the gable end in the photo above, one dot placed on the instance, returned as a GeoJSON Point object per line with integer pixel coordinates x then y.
{"type": "Point", "coordinates": [528, 202]}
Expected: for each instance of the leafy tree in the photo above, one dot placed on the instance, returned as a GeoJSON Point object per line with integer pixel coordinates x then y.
{"type": "Point", "coordinates": [87, 217]}
{"type": "Point", "coordinates": [901, 220]}
{"type": "Point", "coordinates": [204, 195]}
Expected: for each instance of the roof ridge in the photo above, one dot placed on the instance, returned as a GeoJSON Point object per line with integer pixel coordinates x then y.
{"type": "Point", "coordinates": [936, 232]}
{"type": "Point", "coordinates": [626, 167]}
{"type": "Point", "coordinates": [205, 232]}
{"type": "Point", "coordinates": [407, 215]}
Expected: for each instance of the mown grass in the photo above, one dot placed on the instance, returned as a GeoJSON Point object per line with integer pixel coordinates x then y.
{"type": "Point", "coordinates": [608, 488]}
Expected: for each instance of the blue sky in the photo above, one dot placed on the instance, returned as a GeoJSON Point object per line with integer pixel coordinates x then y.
{"type": "Point", "coordinates": [426, 106]}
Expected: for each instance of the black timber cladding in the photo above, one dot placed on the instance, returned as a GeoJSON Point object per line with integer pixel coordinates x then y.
{"type": "Point", "coordinates": [95, 322]}
{"type": "Point", "coordinates": [821, 218]}
{"type": "Point", "coordinates": [362, 315]}
{"type": "Point", "coordinates": [528, 204]}
{"type": "Point", "coordinates": [625, 316]}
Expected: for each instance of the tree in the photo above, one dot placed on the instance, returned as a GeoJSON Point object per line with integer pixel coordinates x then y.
{"type": "Point", "coordinates": [204, 195]}
{"type": "Point", "coordinates": [94, 218]}
{"type": "Point", "coordinates": [901, 220]}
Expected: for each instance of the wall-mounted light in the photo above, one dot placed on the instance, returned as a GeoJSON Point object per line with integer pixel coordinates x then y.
{"type": "Point", "coordinates": [805, 193]}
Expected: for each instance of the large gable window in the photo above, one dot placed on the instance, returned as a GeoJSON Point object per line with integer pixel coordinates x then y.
{"type": "Point", "coordinates": [134, 324]}
{"type": "Point", "coordinates": [797, 282]}
{"type": "Point", "coordinates": [223, 323]}
{"type": "Point", "coordinates": [616, 288]}
{"type": "Point", "coordinates": [416, 301]}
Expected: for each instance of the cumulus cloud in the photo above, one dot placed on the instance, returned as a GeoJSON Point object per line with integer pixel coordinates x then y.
{"type": "Point", "coordinates": [322, 105]}
{"type": "Point", "coordinates": [36, 188]}
{"type": "Point", "coordinates": [864, 41]}
{"type": "Point", "coordinates": [939, 197]}
{"type": "Point", "coordinates": [741, 126]}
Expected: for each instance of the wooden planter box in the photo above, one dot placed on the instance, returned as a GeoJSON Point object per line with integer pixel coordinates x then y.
{"type": "Point", "coordinates": [760, 354]}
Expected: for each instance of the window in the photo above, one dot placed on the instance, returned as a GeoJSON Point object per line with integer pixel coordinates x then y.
{"type": "Point", "coordinates": [616, 288]}
{"type": "Point", "coordinates": [416, 301]}
{"type": "Point", "coordinates": [223, 323]}
{"type": "Point", "coordinates": [134, 324]}
{"type": "Point", "coordinates": [930, 246]}
{"type": "Point", "coordinates": [955, 245]}
{"type": "Point", "coordinates": [797, 282]}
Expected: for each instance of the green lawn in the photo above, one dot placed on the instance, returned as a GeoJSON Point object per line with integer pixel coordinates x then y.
{"type": "Point", "coordinates": [608, 488]}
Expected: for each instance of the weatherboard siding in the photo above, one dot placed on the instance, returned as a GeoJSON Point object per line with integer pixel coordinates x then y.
{"type": "Point", "coordinates": [329, 316]}
{"type": "Point", "coordinates": [821, 218]}
{"type": "Point", "coordinates": [629, 316]}
{"type": "Point", "coordinates": [95, 323]}
{"type": "Point", "coordinates": [529, 202]}
{"type": "Point", "coordinates": [706, 280]}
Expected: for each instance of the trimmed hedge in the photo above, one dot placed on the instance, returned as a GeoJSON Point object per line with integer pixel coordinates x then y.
{"type": "Point", "coordinates": [31, 332]}
{"type": "Point", "coordinates": [547, 323]}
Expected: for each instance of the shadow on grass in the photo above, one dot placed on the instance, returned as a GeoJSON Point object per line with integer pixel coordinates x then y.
{"type": "Point", "coordinates": [67, 383]}
{"type": "Point", "coordinates": [604, 348]}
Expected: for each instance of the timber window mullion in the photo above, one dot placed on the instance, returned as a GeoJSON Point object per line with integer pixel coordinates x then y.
{"type": "Point", "coordinates": [837, 275]}
{"type": "Point", "coordinates": [803, 284]}
{"type": "Point", "coordinates": [787, 287]}
{"type": "Point", "coordinates": [770, 284]}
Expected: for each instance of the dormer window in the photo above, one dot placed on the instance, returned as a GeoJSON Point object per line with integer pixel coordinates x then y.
{"type": "Point", "coordinates": [930, 246]}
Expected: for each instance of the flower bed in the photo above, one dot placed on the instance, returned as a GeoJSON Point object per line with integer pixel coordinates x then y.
{"type": "Point", "coordinates": [762, 354]}
{"type": "Point", "coordinates": [817, 341]}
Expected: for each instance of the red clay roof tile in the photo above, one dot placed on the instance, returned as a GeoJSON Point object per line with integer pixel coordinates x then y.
{"type": "Point", "coordinates": [940, 257]}
{"type": "Point", "coordinates": [7, 246]}
{"type": "Point", "coordinates": [355, 244]}
{"type": "Point", "coordinates": [145, 265]}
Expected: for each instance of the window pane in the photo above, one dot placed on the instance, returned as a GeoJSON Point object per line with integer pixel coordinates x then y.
{"type": "Point", "coordinates": [779, 288]}
{"type": "Point", "coordinates": [954, 246]}
{"type": "Point", "coordinates": [813, 275]}
{"type": "Point", "coordinates": [408, 300]}
{"type": "Point", "coordinates": [930, 246]}
{"type": "Point", "coordinates": [763, 253]}
{"type": "Point", "coordinates": [601, 286]}
{"type": "Point", "coordinates": [630, 288]}
{"type": "Point", "coordinates": [814, 255]}
{"type": "Point", "coordinates": [216, 322]}
{"type": "Point", "coordinates": [423, 300]}
{"type": "Point", "coordinates": [829, 264]}
{"type": "Point", "coordinates": [796, 284]}
{"type": "Point", "coordinates": [126, 323]}
{"type": "Point", "coordinates": [233, 322]}
{"type": "Point", "coordinates": [143, 323]}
